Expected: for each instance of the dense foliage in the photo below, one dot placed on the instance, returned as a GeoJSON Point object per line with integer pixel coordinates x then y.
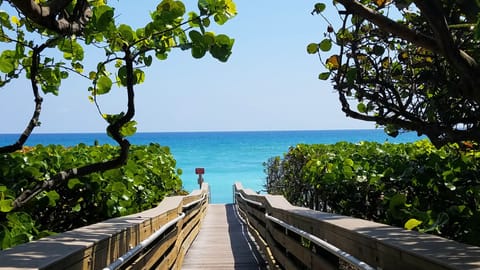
{"type": "Point", "coordinates": [149, 175]}
{"type": "Point", "coordinates": [405, 64]}
{"type": "Point", "coordinates": [47, 41]}
{"type": "Point", "coordinates": [412, 185]}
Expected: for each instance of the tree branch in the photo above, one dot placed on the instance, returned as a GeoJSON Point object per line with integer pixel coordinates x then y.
{"type": "Point", "coordinates": [50, 15]}
{"type": "Point", "coordinates": [390, 26]}
{"type": "Point", "coordinates": [34, 121]}
{"type": "Point", "coordinates": [114, 129]}
{"type": "Point", "coordinates": [463, 63]}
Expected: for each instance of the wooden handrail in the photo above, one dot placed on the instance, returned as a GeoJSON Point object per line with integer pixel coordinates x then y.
{"type": "Point", "coordinates": [378, 245]}
{"type": "Point", "coordinates": [99, 245]}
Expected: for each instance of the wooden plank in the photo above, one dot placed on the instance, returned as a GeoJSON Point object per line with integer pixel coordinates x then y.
{"type": "Point", "coordinates": [223, 243]}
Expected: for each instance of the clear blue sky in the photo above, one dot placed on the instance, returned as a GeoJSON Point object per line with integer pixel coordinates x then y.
{"type": "Point", "coordinates": [269, 83]}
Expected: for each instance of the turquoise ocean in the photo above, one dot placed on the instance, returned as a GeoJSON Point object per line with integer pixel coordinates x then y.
{"type": "Point", "coordinates": [227, 157]}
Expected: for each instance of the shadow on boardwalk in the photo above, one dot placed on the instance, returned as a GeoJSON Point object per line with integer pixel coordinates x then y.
{"type": "Point", "coordinates": [223, 243]}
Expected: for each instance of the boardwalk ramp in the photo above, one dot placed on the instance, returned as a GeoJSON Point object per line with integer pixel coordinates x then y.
{"type": "Point", "coordinates": [223, 243]}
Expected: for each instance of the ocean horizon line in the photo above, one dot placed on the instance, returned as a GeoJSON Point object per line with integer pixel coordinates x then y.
{"type": "Point", "coordinates": [204, 131]}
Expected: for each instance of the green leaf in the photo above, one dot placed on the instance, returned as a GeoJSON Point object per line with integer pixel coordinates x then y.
{"type": "Point", "coordinates": [104, 84]}
{"type": "Point", "coordinates": [72, 183]}
{"type": "Point", "coordinates": [351, 75]}
{"type": "Point", "coordinates": [103, 18]}
{"type": "Point", "coordinates": [326, 45]}
{"type": "Point", "coordinates": [319, 7]}
{"type": "Point", "coordinates": [206, 22]}
{"type": "Point", "coordinates": [362, 108]}
{"type": "Point", "coordinates": [324, 76]}
{"type": "Point", "coordinates": [412, 223]}
{"type": "Point", "coordinates": [129, 129]}
{"type": "Point", "coordinates": [8, 61]}
{"type": "Point", "coordinates": [312, 48]}
{"type": "Point", "coordinates": [193, 19]}
{"type": "Point", "coordinates": [198, 51]}
{"type": "Point", "coordinates": [138, 76]}
{"type": "Point", "coordinates": [397, 201]}
{"type": "Point", "coordinates": [122, 76]}
{"type": "Point", "coordinates": [53, 197]}
{"type": "Point", "coordinates": [222, 49]}
{"type": "Point", "coordinates": [77, 208]}
{"type": "Point", "coordinates": [220, 18]}
{"type": "Point", "coordinates": [127, 33]}
{"type": "Point", "coordinates": [6, 205]}
{"type": "Point", "coordinates": [118, 187]}
{"type": "Point", "coordinates": [71, 49]}
{"type": "Point", "coordinates": [148, 60]}
{"type": "Point", "coordinates": [348, 162]}
{"type": "Point", "coordinates": [195, 36]}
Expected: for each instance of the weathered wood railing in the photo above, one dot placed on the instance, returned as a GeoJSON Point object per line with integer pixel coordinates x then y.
{"type": "Point", "coordinates": [156, 238]}
{"type": "Point", "coordinates": [299, 238]}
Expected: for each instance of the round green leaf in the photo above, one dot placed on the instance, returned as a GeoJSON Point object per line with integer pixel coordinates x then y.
{"type": "Point", "coordinates": [312, 48]}
{"type": "Point", "coordinates": [104, 84]}
{"type": "Point", "coordinates": [127, 33]}
{"type": "Point", "coordinates": [195, 36]}
{"type": "Point", "coordinates": [319, 7]}
{"type": "Point", "coordinates": [361, 107]}
{"type": "Point", "coordinates": [326, 45]}
{"type": "Point", "coordinates": [198, 51]}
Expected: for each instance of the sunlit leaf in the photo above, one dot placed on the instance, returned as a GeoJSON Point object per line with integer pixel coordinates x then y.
{"type": "Point", "coordinates": [138, 76]}
{"type": "Point", "coordinates": [8, 61]}
{"type": "Point", "coordinates": [127, 33]}
{"type": "Point", "coordinates": [15, 20]}
{"type": "Point", "coordinates": [6, 205]}
{"type": "Point", "coordinates": [104, 84]}
{"type": "Point", "coordinates": [412, 224]}
{"type": "Point", "coordinates": [129, 129]}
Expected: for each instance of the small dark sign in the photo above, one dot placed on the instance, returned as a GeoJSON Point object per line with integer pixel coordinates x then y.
{"type": "Point", "coordinates": [199, 170]}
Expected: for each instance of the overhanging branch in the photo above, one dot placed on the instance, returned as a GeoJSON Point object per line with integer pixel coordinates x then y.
{"type": "Point", "coordinates": [51, 15]}
{"type": "Point", "coordinates": [114, 131]}
{"type": "Point", "coordinates": [390, 26]}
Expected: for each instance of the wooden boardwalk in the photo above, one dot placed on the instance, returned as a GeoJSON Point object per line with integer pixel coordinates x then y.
{"type": "Point", "coordinates": [223, 243]}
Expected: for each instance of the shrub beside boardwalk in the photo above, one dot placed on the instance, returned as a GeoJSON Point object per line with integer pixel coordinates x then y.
{"type": "Point", "coordinates": [412, 185]}
{"type": "Point", "coordinates": [149, 175]}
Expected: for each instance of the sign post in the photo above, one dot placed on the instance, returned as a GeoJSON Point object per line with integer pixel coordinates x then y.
{"type": "Point", "coordinates": [200, 172]}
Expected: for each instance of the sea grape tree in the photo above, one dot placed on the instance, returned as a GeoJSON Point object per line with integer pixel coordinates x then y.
{"type": "Point", "coordinates": [47, 41]}
{"type": "Point", "coordinates": [405, 64]}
